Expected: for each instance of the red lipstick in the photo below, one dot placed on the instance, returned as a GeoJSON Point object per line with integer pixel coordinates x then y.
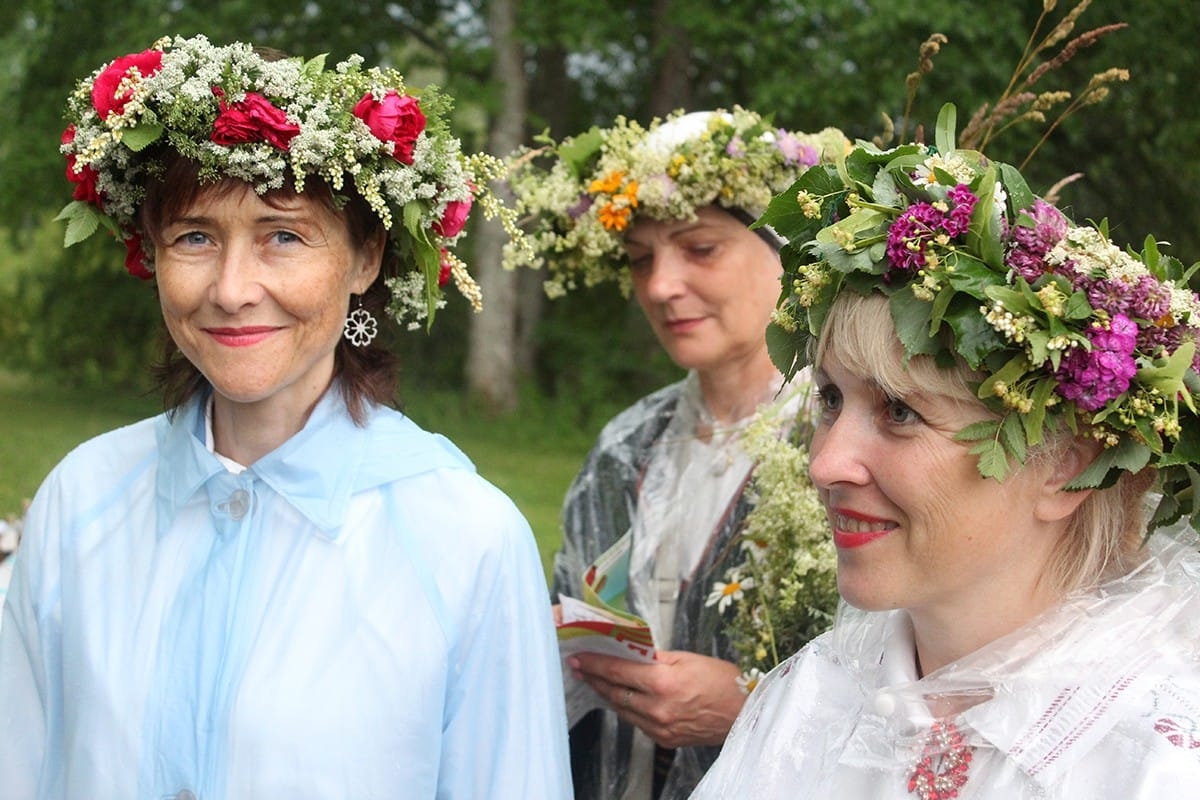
{"type": "Point", "coordinates": [870, 529]}
{"type": "Point", "coordinates": [241, 337]}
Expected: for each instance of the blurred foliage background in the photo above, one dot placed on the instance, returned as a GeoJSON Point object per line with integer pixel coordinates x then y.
{"type": "Point", "coordinates": [73, 316]}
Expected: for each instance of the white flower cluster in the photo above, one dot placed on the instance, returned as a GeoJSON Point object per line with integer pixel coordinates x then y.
{"type": "Point", "coordinates": [786, 591]}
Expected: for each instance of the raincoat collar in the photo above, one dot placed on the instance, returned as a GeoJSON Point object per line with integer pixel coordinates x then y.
{"type": "Point", "coordinates": [317, 471]}
{"type": "Point", "coordinates": [1044, 695]}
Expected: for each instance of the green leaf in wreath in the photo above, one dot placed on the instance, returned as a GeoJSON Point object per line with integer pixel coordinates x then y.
{"type": "Point", "coordinates": [1012, 437]}
{"type": "Point", "coordinates": [910, 315]}
{"type": "Point", "coordinates": [785, 215]}
{"type": "Point", "coordinates": [581, 152]}
{"type": "Point", "coordinates": [993, 458]}
{"type": "Point", "coordinates": [82, 221]}
{"type": "Point", "coordinates": [427, 256]}
{"type": "Point", "coordinates": [786, 349]}
{"type": "Point", "coordinates": [1127, 456]}
{"type": "Point", "coordinates": [142, 136]}
{"type": "Point", "coordinates": [313, 67]}
{"type": "Point", "coordinates": [1020, 197]}
{"type": "Point", "coordinates": [945, 132]}
{"type": "Point", "coordinates": [1167, 374]}
{"type": "Point", "coordinates": [1034, 420]}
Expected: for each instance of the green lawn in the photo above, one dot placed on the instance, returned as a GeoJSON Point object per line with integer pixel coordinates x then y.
{"type": "Point", "coordinates": [533, 462]}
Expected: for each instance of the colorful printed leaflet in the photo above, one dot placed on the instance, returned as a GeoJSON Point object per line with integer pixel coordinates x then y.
{"type": "Point", "coordinates": [599, 623]}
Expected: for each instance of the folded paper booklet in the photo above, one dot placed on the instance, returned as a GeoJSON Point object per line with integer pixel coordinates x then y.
{"type": "Point", "coordinates": [599, 623]}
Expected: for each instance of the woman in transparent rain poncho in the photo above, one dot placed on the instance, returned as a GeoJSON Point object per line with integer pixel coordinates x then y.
{"type": "Point", "coordinates": [1006, 399]}
{"type": "Point", "coordinates": [283, 587]}
{"type": "Point", "coordinates": [666, 211]}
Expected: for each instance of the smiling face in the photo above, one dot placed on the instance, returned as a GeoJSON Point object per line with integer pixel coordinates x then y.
{"type": "Point", "coordinates": [707, 286]}
{"type": "Point", "coordinates": [255, 294]}
{"type": "Point", "coordinates": [915, 525]}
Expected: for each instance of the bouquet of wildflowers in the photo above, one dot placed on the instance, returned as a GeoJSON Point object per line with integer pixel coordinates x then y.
{"type": "Point", "coordinates": [785, 593]}
{"type": "Point", "coordinates": [1064, 327]}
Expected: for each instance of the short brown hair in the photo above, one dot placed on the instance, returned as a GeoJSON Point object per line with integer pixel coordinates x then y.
{"type": "Point", "coordinates": [367, 375]}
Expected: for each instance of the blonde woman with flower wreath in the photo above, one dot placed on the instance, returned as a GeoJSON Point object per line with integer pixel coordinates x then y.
{"type": "Point", "coordinates": [282, 587]}
{"type": "Point", "coordinates": [664, 211]}
{"type": "Point", "coordinates": [1008, 403]}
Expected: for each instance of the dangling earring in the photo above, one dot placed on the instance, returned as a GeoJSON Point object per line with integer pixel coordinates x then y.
{"type": "Point", "coordinates": [361, 326]}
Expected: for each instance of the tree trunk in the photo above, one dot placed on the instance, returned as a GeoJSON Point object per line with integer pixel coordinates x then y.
{"type": "Point", "coordinates": [491, 357]}
{"type": "Point", "coordinates": [672, 79]}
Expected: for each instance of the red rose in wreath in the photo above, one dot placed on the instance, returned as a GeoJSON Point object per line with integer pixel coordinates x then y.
{"type": "Point", "coordinates": [397, 118]}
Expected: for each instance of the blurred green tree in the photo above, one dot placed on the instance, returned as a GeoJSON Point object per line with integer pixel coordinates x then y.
{"type": "Point", "coordinates": [837, 62]}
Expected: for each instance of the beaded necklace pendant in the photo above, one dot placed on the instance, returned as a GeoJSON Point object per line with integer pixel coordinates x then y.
{"type": "Point", "coordinates": [942, 769]}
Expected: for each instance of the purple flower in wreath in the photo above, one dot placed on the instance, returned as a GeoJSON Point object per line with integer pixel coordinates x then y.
{"type": "Point", "coordinates": [921, 224]}
{"type": "Point", "coordinates": [1030, 243]}
{"type": "Point", "coordinates": [1090, 378]}
{"type": "Point", "coordinates": [910, 234]}
{"type": "Point", "coordinates": [958, 219]}
{"type": "Point", "coordinates": [581, 206]}
{"type": "Point", "coordinates": [794, 151]}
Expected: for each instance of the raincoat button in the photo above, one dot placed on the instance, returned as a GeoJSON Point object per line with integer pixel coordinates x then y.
{"type": "Point", "coordinates": [237, 505]}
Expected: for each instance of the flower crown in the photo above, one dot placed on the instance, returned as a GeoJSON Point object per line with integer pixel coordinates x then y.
{"type": "Point", "coordinates": [1066, 327]}
{"type": "Point", "coordinates": [600, 181]}
{"type": "Point", "coordinates": [270, 122]}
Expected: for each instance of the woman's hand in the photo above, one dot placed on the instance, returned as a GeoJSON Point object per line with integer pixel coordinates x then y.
{"type": "Point", "coordinates": [682, 699]}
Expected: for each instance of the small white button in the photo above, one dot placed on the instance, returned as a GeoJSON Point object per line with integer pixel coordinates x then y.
{"type": "Point", "coordinates": [885, 703]}
{"type": "Point", "coordinates": [237, 505]}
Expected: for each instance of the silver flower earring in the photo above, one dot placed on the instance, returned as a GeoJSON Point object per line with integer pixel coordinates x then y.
{"type": "Point", "coordinates": [361, 326]}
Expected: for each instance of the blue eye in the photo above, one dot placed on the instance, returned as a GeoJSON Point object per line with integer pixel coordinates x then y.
{"type": "Point", "coordinates": [285, 237]}
{"type": "Point", "coordinates": [900, 413]}
{"type": "Point", "coordinates": [829, 398]}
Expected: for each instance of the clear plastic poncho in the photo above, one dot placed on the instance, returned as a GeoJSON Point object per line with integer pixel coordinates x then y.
{"type": "Point", "coordinates": [1097, 698]}
{"type": "Point", "coordinates": [659, 471]}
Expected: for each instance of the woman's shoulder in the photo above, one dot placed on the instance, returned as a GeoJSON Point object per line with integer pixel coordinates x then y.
{"type": "Point", "coordinates": [395, 443]}
{"type": "Point", "coordinates": [111, 453]}
{"type": "Point", "coordinates": [642, 420]}
{"type": "Point", "coordinates": [429, 466]}
{"type": "Point", "coordinates": [810, 681]}
{"type": "Point", "coordinates": [101, 472]}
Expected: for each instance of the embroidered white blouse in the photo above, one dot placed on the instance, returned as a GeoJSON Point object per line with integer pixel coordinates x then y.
{"type": "Point", "coordinates": [1098, 698]}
